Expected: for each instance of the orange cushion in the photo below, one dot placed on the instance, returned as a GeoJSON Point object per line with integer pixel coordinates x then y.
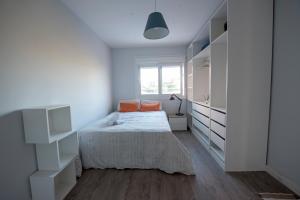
{"type": "Point", "coordinates": [146, 107]}
{"type": "Point", "coordinates": [129, 106]}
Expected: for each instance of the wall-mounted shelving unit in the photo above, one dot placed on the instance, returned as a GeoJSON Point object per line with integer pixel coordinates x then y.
{"type": "Point", "coordinates": [53, 184]}
{"type": "Point", "coordinates": [57, 146]}
{"type": "Point", "coordinates": [208, 88]}
{"type": "Point", "coordinates": [57, 154]}
{"type": "Point", "coordinates": [225, 70]}
{"type": "Point", "coordinates": [43, 125]}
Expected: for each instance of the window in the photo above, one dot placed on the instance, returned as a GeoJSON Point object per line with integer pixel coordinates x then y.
{"type": "Point", "coordinates": [149, 80]}
{"type": "Point", "coordinates": [161, 79]}
{"type": "Point", "coordinates": [171, 79]}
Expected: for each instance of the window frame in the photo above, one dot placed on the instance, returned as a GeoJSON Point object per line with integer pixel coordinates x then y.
{"type": "Point", "coordinates": [159, 66]}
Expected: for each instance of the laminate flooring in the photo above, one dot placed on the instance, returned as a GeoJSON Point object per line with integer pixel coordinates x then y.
{"type": "Point", "coordinates": [209, 183]}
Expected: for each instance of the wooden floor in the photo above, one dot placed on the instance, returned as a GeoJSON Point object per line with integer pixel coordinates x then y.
{"type": "Point", "coordinates": [209, 183]}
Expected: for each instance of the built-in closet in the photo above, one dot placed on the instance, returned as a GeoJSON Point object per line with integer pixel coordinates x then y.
{"type": "Point", "coordinates": [228, 84]}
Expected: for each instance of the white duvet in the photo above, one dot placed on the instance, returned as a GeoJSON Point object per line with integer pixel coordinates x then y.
{"type": "Point", "coordinates": [140, 140]}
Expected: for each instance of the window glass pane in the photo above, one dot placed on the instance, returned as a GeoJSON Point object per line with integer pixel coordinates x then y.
{"type": "Point", "coordinates": [149, 80]}
{"type": "Point", "coordinates": [171, 79]}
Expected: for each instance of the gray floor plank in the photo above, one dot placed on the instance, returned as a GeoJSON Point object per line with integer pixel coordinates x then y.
{"type": "Point", "coordinates": [210, 182]}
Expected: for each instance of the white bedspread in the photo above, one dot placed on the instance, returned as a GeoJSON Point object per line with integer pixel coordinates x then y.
{"type": "Point", "coordinates": [134, 140]}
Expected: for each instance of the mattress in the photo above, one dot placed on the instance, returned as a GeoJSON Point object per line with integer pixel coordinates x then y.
{"type": "Point", "coordinates": [135, 140]}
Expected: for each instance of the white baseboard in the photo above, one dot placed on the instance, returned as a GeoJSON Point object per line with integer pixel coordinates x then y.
{"type": "Point", "coordinates": [290, 184]}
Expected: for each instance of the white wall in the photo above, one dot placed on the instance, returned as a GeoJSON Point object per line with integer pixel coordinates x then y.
{"type": "Point", "coordinates": [125, 72]}
{"type": "Point", "coordinates": [47, 56]}
{"type": "Point", "coordinates": [284, 138]}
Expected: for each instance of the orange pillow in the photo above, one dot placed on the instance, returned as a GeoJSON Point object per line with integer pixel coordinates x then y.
{"type": "Point", "coordinates": [129, 106]}
{"type": "Point", "coordinates": [146, 107]}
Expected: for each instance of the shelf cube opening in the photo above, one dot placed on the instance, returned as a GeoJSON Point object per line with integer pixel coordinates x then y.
{"type": "Point", "coordinates": [59, 120]}
{"type": "Point", "coordinates": [68, 149]}
{"type": "Point", "coordinates": [64, 181]}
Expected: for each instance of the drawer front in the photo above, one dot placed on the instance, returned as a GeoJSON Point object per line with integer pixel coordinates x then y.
{"type": "Point", "coordinates": [202, 109]}
{"type": "Point", "coordinates": [221, 130]}
{"type": "Point", "coordinates": [178, 124]}
{"type": "Point", "coordinates": [218, 116]}
{"type": "Point", "coordinates": [217, 140]}
{"type": "Point", "coordinates": [201, 127]}
{"type": "Point", "coordinates": [201, 118]}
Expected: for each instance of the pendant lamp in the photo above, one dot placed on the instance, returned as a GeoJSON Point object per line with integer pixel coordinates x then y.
{"type": "Point", "coordinates": [156, 27]}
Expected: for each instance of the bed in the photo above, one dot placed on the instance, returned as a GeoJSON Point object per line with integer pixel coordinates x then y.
{"type": "Point", "coordinates": [141, 140]}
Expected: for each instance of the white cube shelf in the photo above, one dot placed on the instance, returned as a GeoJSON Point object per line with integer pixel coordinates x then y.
{"type": "Point", "coordinates": [58, 154]}
{"type": "Point", "coordinates": [68, 148]}
{"type": "Point", "coordinates": [53, 185]}
{"type": "Point", "coordinates": [44, 125]}
{"type": "Point", "coordinates": [57, 145]}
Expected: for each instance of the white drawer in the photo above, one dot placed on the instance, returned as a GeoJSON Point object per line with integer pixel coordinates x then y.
{"type": "Point", "coordinates": [201, 127]}
{"type": "Point", "coordinates": [217, 140]}
{"type": "Point", "coordinates": [202, 109]}
{"type": "Point", "coordinates": [221, 130]}
{"type": "Point", "coordinates": [201, 118]}
{"type": "Point", "coordinates": [178, 123]}
{"type": "Point", "coordinates": [218, 116]}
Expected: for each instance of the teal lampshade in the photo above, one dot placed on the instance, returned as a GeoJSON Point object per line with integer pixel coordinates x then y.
{"type": "Point", "coordinates": [156, 27]}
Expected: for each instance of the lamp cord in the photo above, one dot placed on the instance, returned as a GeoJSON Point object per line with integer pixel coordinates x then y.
{"type": "Point", "coordinates": [155, 5]}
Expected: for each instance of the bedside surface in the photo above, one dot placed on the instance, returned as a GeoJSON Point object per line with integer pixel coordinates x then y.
{"type": "Point", "coordinates": [176, 116]}
{"type": "Point", "coordinates": [177, 123]}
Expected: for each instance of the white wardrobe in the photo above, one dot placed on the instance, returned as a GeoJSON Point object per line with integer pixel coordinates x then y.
{"type": "Point", "coordinates": [228, 84]}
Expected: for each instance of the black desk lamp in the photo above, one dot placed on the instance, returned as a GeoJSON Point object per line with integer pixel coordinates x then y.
{"type": "Point", "coordinates": [172, 97]}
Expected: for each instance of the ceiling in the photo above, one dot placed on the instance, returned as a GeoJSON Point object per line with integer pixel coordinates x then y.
{"type": "Point", "coordinates": [121, 23]}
